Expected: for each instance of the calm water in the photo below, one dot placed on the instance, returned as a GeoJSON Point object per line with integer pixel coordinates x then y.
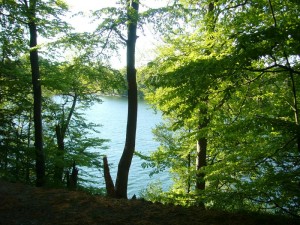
{"type": "Point", "coordinates": [112, 115]}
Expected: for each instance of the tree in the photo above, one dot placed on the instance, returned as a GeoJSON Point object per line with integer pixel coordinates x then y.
{"type": "Point", "coordinates": [16, 121]}
{"type": "Point", "coordinates": [112, 28]}
{"type": "Point", "coordinates": [37, 93]}
{"type": "Point", "coordinates": [126, 158]}
{"type": "Point", "coordinates": [236, 73]}
{"type": "Point", "coordinates": [72, 87]}
{"type": "Point", "coordinates": [66, 134]}
{"type": "Point", "coordinates": [30, 14]}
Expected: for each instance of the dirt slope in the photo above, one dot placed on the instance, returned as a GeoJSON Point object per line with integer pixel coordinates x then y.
{"type": "Point", "coordinates": [22, 204]}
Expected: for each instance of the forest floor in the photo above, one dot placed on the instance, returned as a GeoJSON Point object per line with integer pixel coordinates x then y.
{"type": "Point", "coordinates": [24, 205]}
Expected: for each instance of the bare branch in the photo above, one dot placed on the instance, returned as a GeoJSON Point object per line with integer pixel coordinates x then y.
{"type": "Point", "coordinates": [273, 14]}
{"type": "Point", "coordinates": [106, 42]}
{"type": "Point", "coordinates": [269, 69]}
{"type": "Point", "coordinates": [119, 34]}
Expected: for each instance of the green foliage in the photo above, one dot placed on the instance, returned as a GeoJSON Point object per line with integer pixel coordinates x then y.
{"type": "Point", "coordinates": [228, 72]}
{"type": "Point", "coordinates": [48, 15]}
{"type": "Point", "coordinates": [155, 193]}
{"type": "Point", "coordinates": [237, 70]}
{"type": "Point", "coordinates": [69, 88]}
{"type": "Point", "coordinates": [16, 120]}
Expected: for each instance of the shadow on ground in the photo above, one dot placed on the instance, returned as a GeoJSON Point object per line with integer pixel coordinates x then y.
{"type": "Point", "coordinates": [23, 205]}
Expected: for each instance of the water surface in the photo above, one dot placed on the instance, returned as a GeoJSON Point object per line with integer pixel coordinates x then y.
{"type": "Point", "coordinates": [112, 115]}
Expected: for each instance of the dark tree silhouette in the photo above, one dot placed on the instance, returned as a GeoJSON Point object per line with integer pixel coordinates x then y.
{"type": "Point", "coordinates": [125, 161]}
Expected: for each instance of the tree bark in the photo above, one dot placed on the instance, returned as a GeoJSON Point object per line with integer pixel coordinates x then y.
{"type": "Point", "coordinates": [59, 168]}
{"type": "Point", "coordinates": [126, 158]}
{"type": "Point", "coordinates": [295, 102]}
{"type": "Point", "coordinates": [28, 146]}
{"type": "Point", "coordinates": [72, 179]}
{"type": "Point", "coordinates": [201, 155]}
{"type": "Point", "coordinates": [109, 184]}
{"type": "Point", "coordinates": [189, 172]}
{"type": "Point", "coordinates": [60, 131]}
{"type": "Point", "coordinates": [37, 98]}
{"type": "Point", "coordinates": [200, 163]}
{"type": "Point", "coordinates": [201, 149]}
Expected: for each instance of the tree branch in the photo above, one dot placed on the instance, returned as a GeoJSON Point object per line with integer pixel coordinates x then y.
{"type": "Point", "coordinates": [273, 14]}
{"type": "Point", "coordinates": [106, 42]}
{"type": "Point", "coordinates": [71, 112]}
{"type": "Point", "coordinates": [236, 6]}
{"type": "Point", "coordinates": [120, 35]}
{"type": "Point", "coordinates": [268, 69]}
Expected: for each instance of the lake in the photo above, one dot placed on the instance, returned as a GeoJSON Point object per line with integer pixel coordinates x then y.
{"type": "Point", "coordinates": [112, 115]}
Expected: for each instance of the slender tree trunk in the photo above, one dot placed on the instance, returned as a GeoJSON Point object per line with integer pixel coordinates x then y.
{"type": "Point", "coordinates": [200, 163]}
{"type": "Point", "coordinates": [72, 178]}
{"type": "Point", "coordinates": [28, 146]}
{"type": "Point", "coordinates": [201, 150]}
{"type": "Point", "coordinates": [296, 110]}
{"type": "Point", "coordinates": [109, 184]}
{"type": "Point", "coordinates": [59, 167]}
{"type": "Point", "coordinates": [201, 156]}
{"type": "Point", "coordinates": [18, 134]}
{"type": "Point", "coordinates": [37, 98]}
{"type": "Point", "coordinates": [189, 173]}
{"type": "Point", "coordinates": [60, 131]}
{"type": "Point", "coordinates": [295, 101]}
{"type": "Point", "coordinates": [126, 158]}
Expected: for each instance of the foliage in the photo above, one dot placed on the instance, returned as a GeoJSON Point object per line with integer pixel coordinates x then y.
{"type": "Point", "coordinates": [69, 88]}
{"type": "Point", "coordinates": [227, 76]}
{"type": "Point", "coordinates": [237, 69]}
{"type": "Point", "coordinates": [59, 85]}
{"type": "Point", "coordinates": [16, 121]}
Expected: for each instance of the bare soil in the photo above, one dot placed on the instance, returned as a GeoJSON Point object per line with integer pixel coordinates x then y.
{"type": "Point", "coordinates": [24, 205]}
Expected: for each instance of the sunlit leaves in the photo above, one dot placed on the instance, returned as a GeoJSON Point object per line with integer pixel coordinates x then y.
{"type": "Point", "coordinates": [238, 68]}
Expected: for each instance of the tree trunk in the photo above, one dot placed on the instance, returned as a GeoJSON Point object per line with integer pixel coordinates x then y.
{"type": "Point", "coordinates": [60, 131]}
{"type": "Point", "coordinates": [72, 179]}
{"type": "Point", "coordinates": [201, 154]}
{"type": "Point", "coordinates": [126, 158]}
{"type": "Point", "coordinates": [28, 159]}
{"type": "Point", "coordinates": [201, 149]}
{"type": "Point", "coordinates": [295, 102]}
{"type": "Point", "coordinates": [202, 141]}
{"type": "Point", "coordinates": [59, 167]}
{"type": "Point", "coordinates": [37, 99]}
{"type": "Point", "coordinates": [189, 172]}
{"type": "Point", "coordinates": [200, 163]}
{"type": "Point", "coordinates": [109, 184]}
